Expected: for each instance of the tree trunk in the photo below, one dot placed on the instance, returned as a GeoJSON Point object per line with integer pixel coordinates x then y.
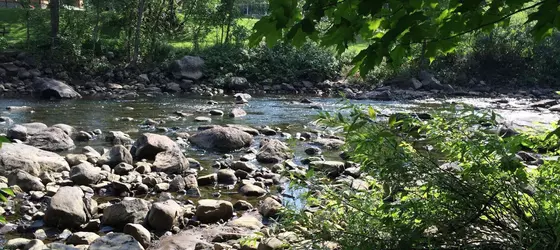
{"type": "Point", "coordinates": [137, 35]}
{"type": "Point", "coordinates": [96, 28]}
{"type": "Point", "coordinates": [55, 20]}
{"type": "Point", "coordinates": [230, 5]}
{"type": "Point", "coordinates": [27, 14]}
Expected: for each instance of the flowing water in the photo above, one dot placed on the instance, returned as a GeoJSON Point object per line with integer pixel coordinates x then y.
{"type": "Point", "coordinates": [284, 112]}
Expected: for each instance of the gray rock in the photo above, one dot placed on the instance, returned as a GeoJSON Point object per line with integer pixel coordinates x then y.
{"type": "Point", "coordinates": [207, 179]}
{"type": "Point", "coordinates": [17, 243]}
{"type": "Point", "coordinates": [119, 154]}
{"type": "Point", "coordinates": [164, 215]}
{"type": "Point", "coordinates": [211, 211]}
{"type": "Point", "coordinates": [216, 112]}
{"type": "Point", "coordinates": [227, 176]}
{"type": "Point", "coordinates": [331, 168]}
{"type": "Point", "coordinates": [69, 130]}
{"type": "Point", "coordinates": [273, 151]}
{"type": "Point", "coordinates": [25, 181]}
{"type": "Point", "coordinates": [83, 136]}
{"type": "Point", "coordinates": [17, 132]}
{"type": "Point", "coordinates": [329, 143]}
{"type": "Point", "coordinates": [34, 127]}
{"type": "Point", "coordinates": [51, 139]}
{"type": "Point", "coordinates": [34, 245]}
{"type": "Point", "coordinates": [269, 207]}
{"type": "Point", "coordinates": [75, 159]}
{"type": "Point", "coordinates": [170, 162]}
{"type": "Point", "coordinates": [237, 83]}
{"type": "Point", "coordinates": [177, 184]}
{"type": "Point", "coordinates": [118, 138]}
{"type": "Point", "coordinates": [30, 159]}
{"type": "Point", "coordinates": [189, 67]}
{"type": "Point", "coordinates": [49, 88]}
{"type": "Point", "coordinates": [313, 151]}
{"type": "Point", "coordinates": [237, 112]}
{"type": "Point", "coordinates": [221, 139]}
{"type": "Point", "coordinates": [252, 190]}
{"type": "Point", "coordinates": [85, 174]}
{"type": "Point", "coordinates": [123, 168]}
{"type": "Point", "coordinates": [66, 208]}
{"type": "Point", "coordinates": [82, 238]}
{"type": "Point", "coordinates": [271, 243]}
{"type": "Point", "coordinates": [242, 205]}
{"type": "Point", "coordinates": [202, 119]}
{"type": "Point", "coordinates": [116, 241]}
{"type": "Point", "coordinates": [243, 165]}
{"type": "Point", "coordinates": [130, 210]}
{"type": "Point", "coordinates": [149, 145]}
{"type": "Point", "coordinates": [139, 232]}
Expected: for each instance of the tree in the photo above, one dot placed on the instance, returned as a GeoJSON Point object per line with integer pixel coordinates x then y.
{"type": "Point", "coordinates": [137, 34]}
{"type": "Point", "coordinates": [393, 27]}
{"type": "Point", "coordinates": [55, 20]}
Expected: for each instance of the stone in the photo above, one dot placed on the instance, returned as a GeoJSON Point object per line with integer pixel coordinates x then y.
{"type": "Point", "coordinates": [83, 136]}
{"type": "Point", "coordinates": [162, 187]}
{"type": "Point", "coordinates": [69, 130]}
{"type": "Point", "coordinates": [246, 129]}
{"type": "Point", "coordinates": [85, 174]}
{"type": "Point", "coordinates": [329, 143]}
{"type": "Point", "coordinates": [237, 112]}
{"type": "Point", "coordinates": [25, 181]}
{"type": "Point", "coordinates": [190, 181]}
{"type": "Point", "coordinates": [202, 119]}
{"type": "Point", "coordinates": [17, 243]}
{"type": "Point", "coordinates": [34, 245]}
{"type": "Point", "coordinates": [222, 139]}
{"type": "Point", "coordinates": [313, 151]}
{"type": "Point", "coordinates": [247, 221]}
{"type": "Point", "coordinates": [115, 241]}
{"type": "Point", "coordinates": [17, 132]}
{"type": "Point", "coordinates": [118, 138]}
{"type": "Point", "coordinates": [34, 127]}
{"type": "Point", "coordinates": [139, 232]}
{"type": "Point", "coordinates": [130, 210]}
{"type": "Point", "coordinates": [82, 238]}
{"type": "Point", "coordinates": [216, 112]}
{"type": "Point", "coordinates": [75, 159]}
{"type": "Point", "coordinates": [123, 168]}
{"type": "Point", "coordinates": [170, 162]}
{"type": "Point", "coordinates": [226, 176]}
{"type": "Point", "coordinates": [51, 139]}
{"type": "Point", "coordinates": [143, 167]}
{"type": "Point", "coordinates": [188, 67]}
{"type": "Point", "coordinates": [243, 165]}
{"type": "Point", "coordinates": [271, 243]}
{"type": "Point", "coordinates": [149, 145]}
{"type": "Point", "coordinates": [273, 151]}
{"type": "Point", "coordinates": [252, 190]}
{"type": "Point", "coordinates": [67, 208]}
{"type": "Point", "coordinates": [207, 180]}
{"type": "Point", "coordinates": [236, 83]}
{"type": "Point", "coordinates": [164, 215]}
{"type": "Point", "coordinates": [119, 154]}
{"type": "Point", "coordinates": [331, 168]}
{"type": "Point", "coordinates": [240, 99]}
{"type": "Point", "coordinates": [269, 207]}
{"type": "Point", "coordinates": [211, 211]}
{"type": "Point", "coordinates": [48, 88]}
{"type": "Point", "coordinates": [242, 205]}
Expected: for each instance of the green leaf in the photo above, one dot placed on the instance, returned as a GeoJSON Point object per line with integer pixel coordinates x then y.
{"type": "Point", "coordinates": [3, 220]}
{"type": "Point", "coordinates": [371, 112]}
{"type": "Point", "coordinates": [397, 55]}
{"type": "Point", "coordinates": [7, 191]}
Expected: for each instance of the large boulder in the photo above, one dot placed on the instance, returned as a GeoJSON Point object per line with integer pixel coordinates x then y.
{"type": "Point", "coordinates": [67, 208]}
{"type": "Point", "coordinates": [211, 211]}
{"type": "Point", "coordinates": [69, 130]}
{"type": "Point", "coordinates": [51, 139]}
{"type": "Point", "coordinates": [270, 207]}
{"type": "Point", "coordinates": [50, 88]}
{"type": "Point", "coordinates": [171, 162]}
{"type": "Point", "coordinates": [17, 132]}
{"type": "Point", "coordinates": [237, 83]}
{"type": "Point", "coordinates": [331, 168]}
{"type": "Point", "coordinates": [25, 181]}
{"type": "Point", "coordinates": [34, 127]}
{"type": "Point", "coordinates": [139, 232]}
{"type": "Point", "coordinates": [164, 215]}
{"type": "Point", "coordinates": [115, 241]}
{"type": "Point", "coordinates": [221, 139]}
{"type": "Point", "coordinates": [118, 154]}
{"type": "Point", "coordinates": [273, 151]}
{"type": "Point", "coordinates": [30, 159]}
{"type": "Point", "coordinates": [149, 145]}
{"type": "Point", "coordinates": [130, 210]}
{"type": "Point", "coordinates": [85, 174]}
{"type": "Point", "coordinates": [188, 67]}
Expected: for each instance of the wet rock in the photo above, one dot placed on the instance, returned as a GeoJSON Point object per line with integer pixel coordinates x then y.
{"type": "Point", "coordinates": [120, 187]}
{"type": "Point", "coordinates": [329, 143]}
{"type": "Point", "coordinates": [313, 151]}
{"type": "Point", "coordinates": [75, 159]}
{"type": "Point", "coordinates": [544, 103]}
{"type": "Point", "coordinates": [85, 174]}
{"type": "Point", "coordinates": [69, 130]}
{"type": "Point", "coordinates": [82, 238]}
{"type": "Point", "coordinates": [25, 181]}
{"type": "Point", "coordinates": [237, 112]}
{"type": "Point", "coordinates": [17, 132]}
{"type": "Point", "coordinates": [216, 112]}
{"type": "Point", "coordinates": [30, 159]}
{"type": "Point", "coordinates": [116, 241]}
{"type": "Point", "coordinates": [202, 119]}
{"type": "Point", "coordinates": [170, 162]}
{"type": "Point", "coordinates": [66, 208]}
{"type": "Point", "coordinates": [243, 128]}
{"type": "Point", "coordinates": [130, 210]}
{"type": "Point", "coordinates": [51, 139]}
{"type": "Point", "coordinates": [273, 151]}
{"type": "Point", "coordinates": [118, 138]}
{"type": "Point", "coordinates": [252, 190]}
{"type": "Point", "coordinates": [123, 168]}
{"type": "Point", "coordinates": [243, 165]}
{"type": "Point", "coordinates": [17, 243]}
{"type": "Point", "coordinates": [226, 176]}
{"type": "Point", "coordinates": [242, 205]}
{"type": "Point", "coordinates": [149, 145]}
{"type": "Point", "coordinates": [50, 88]}
{"type": "Point", "coordinates": [84, 136]}
{"type": "Point", "coordinates": [555, 108]}
{"type": "Point", "coordinates": [188, 67]}
{"type": "Point", "coordinates": [34, 245]}
{"type": "Point", "coordinates": [211, 211]}
{"type": "Point", "coordinates": [164, 215]}
{"type": "Point", "coordinates": [248, 157]}
{"type": "Point", "coordinates": [119, 154]}
{"type": "Point", "coordinates": [139, 232]}
{"type": "Point", "coordinates": [240, 99]}
{"type": "Point", "coordinates": [269, 207]}
{"type": "Point", "coordinates": [221, 139]}
{"type": "Point", "coordinates": [207, 180]}
{"type": "Point", "coordinates": [236, 83]}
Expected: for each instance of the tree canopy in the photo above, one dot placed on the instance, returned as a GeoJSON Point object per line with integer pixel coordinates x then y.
{"type": "Point", "coordinates": [393, 27]}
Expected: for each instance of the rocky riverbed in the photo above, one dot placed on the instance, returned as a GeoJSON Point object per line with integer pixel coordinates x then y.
{"type": "Point", "coordinates": [175, 173]}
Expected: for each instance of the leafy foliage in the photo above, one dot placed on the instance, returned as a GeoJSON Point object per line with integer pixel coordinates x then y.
{"type": "Point", "coordinates": [4, 192]}
{"type": "Point", "coordinates": [393, 28]}
{"type": "Point", "coordinates": [446, 181]}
